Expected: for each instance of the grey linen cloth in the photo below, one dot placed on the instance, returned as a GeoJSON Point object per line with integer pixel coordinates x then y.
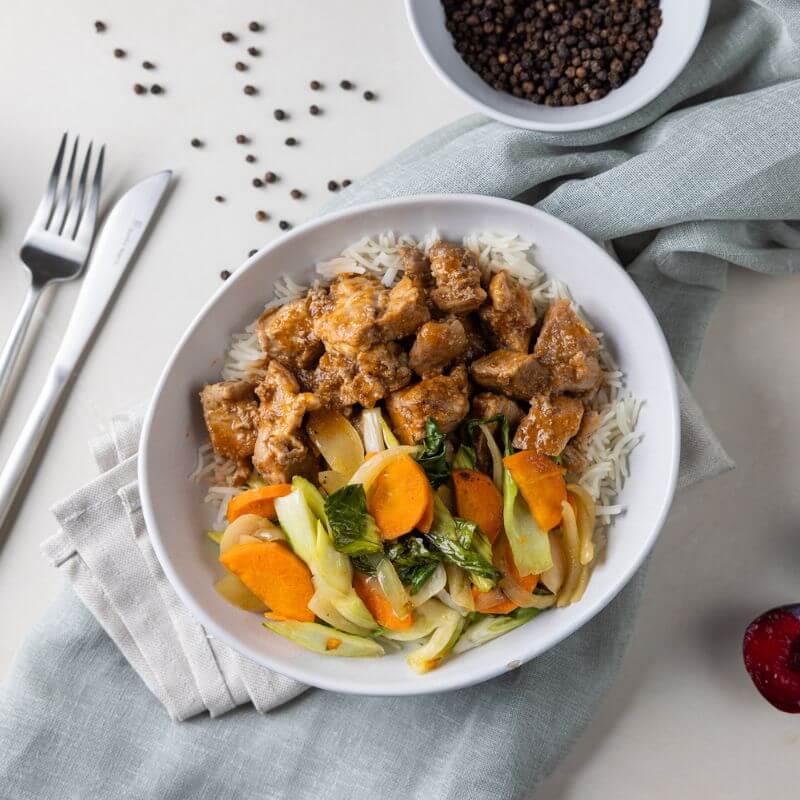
{"type": "Point", "coordinates": [703, 177]}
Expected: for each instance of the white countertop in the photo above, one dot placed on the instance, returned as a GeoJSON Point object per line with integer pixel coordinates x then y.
{"type": "Point", "coordinates": [683, 719]}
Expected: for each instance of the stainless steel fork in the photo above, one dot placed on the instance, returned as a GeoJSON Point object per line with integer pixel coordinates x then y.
{"type": "Point", "coordinates": [57, 243]}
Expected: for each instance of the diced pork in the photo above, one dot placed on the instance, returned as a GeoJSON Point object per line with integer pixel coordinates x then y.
{"type": "Point", "coordinates": [487, 404]}
{"type": "Point", "coordinates": [287, 335]}
{"type": "Point", "coordinates": [457, 279]}
{"type": "Point", "coordinates": [574, 455]}
{"type": "Point", "coordinates": [437, 346]}
{"type": "Point", "coordinates": [563, 335]}
{"type": "Point", "coordinates": [508, 372]}
{"type": "Point", "coordinates": [550, 424]}
{"type": "Point", "coordinates": [340, 381]}
{"type": "Point", "coordinates": [282, 448]}
{"type": "Point", "coordinates": [509, 314]}
{"type": "Point", "coordinates": [230, 411]}
{"type": "Point", "coordinates": [443, 398]}
{"type": "Point", "coordinates": [416, 266]}
{"type": "Point", "coordinates": [581, 374]}
{"type": "Point", "coordinates": [345, 318]}
{"type": "Point", "coordinates": [406, 309]}
{"type": "Point", "coordinates": [477, 345]}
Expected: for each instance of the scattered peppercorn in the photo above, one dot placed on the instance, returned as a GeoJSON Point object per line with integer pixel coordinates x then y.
{"type": "Point", "coordinates": [157, 88]}
{"type": "Point", "coordinates": [225, 274]}
{"type": "Point", "coordinates": [255, 27]}
{"type": "Point", "coordinates": [249, 89]}
{"type": "Point", "coordinates": [241, 139]}
{"type": "Point", "coordinates": [279, 114]}
{"type": "Point", "coordinates": [346, 182]}
{"type": "Point", "coordinates": [296, 194]}
{"type": "Point", "coordinates": [196, 142]}
{"type": "Point", "coordinates": [228, 37]}
{"type": "Point", "coordinates": [333, 186]}
{"type": "Point", "coordinates": [369, 95]}
{"type": "Point", "coordinates": [284, 225]}
{"type": "Point", "coordinates": [100, 26]}
{"type": "Point", "coordinates": [261, 216]}
{"type": "Point", "coordinates": [252, 253]}
{"type": "Point", "coordinates": [119, 52]}
{"type": "Point", "coordinates": [314, 110]}
{"type": "Point", "coordinates": [346, 85]}
{"type": "Point", "coordinates": [139, 89]}
{"type": "Point", "coordinates": [219, 199]}
{"type": "Point", "coordinates": [562, 53]}
{"type": "Point", "coordinates": [240, 66]}
{"type": "Point", "coordinates": [290, 142]}
{"type": "Point", "coordinates": [148, 65]}
{"type": "Point", "coordinates": [315, 85]}
{"type": "Point", "coordinates": [254, 51]}
{"type": "Point", "coordinates": [250, 158]}
{"type": "Point", "coordinates": [270, 177]}
{"type": "Point", "coordinates": [258, 183]}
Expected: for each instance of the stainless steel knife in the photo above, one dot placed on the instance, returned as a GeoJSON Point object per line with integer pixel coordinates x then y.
{"type": "Point", "coordinates": [113, 251]}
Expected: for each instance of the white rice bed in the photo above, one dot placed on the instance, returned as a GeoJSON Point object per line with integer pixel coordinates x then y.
{"type": "Point", "coordinates": [608, 450]}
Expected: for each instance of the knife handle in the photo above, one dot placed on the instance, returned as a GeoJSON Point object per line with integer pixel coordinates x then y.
{"type": "Point", "coordinates": [27, 445]}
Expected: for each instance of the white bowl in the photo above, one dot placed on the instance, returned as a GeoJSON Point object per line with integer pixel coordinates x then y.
{"type": "Point", "coordinates": [174, 509]}
{"type": "Point", "coordinates": [684, 21]}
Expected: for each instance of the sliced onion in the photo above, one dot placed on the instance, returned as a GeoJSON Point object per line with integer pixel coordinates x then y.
{"type": "Point", "coordinates": [459, 587]}
{"type": "Point", "coordinates": [372, 430]}
{"type": "Point", "coordinates": [431, 587]}
{"type": "Point", "coordinates": [320, 604]}
{"type": "Point", "coordinates": [484, 601]}
{"type": "Point", "coordinates": [553, 578]}
{"type": "Point", "coordinates": [523, 598]}
{"type": "Point", "coordinates": [583, 581]}
{"type": "Point", "coordinates": [248, 525]}
{"type": "Point", "coordinates": [336, 438]}
{"type": "Point", "coordinates": [586, 521]}
{"type": "Point", "coordinates": [569, 533]}
{"type": "Point", "coordinates": [446, 496]}
{"type": "Point", "coordinates": [444, 596]}
{"type": "Point", "coordinates": [497, 458]}
{"type": "Point", "coordinates": [331, 481]}
{"type": "Point", "coordinates": [393, 588]}
{"type": "Point", "coordinates": [237, 594]}
{"type": "Point", "coordinates": [372, 467]}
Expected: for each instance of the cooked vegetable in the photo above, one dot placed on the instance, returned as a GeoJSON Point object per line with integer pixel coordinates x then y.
{"type": "Point", "coordinates": [435, 584]}
{"type": "Point", "coordinates": [370, 591]}
{"type": "Point", "coordinates": [353, 530]}
{"type": "Point", "coordinates": [488, 628]}
{"type": "Point", "coordinates": [324, 640]}
{"type": "Point", "coordinates": [388, 434]}
{"type": "Point", "coordinates": [553, 578]}
{"type": "Point", "coordinates": [260, 501]}
{"type": "Point", "coordinates": [569, 533]}
{"type": "Point", "coordinates": [413, 561]}
{"type": "Point", "coordinates": [478, 501]}
{"type": "Point", "coordinates": [529, 543]}
{"type": "Point", "coordinates": [249, 525]}
{"type": "Point", "coordinates": [331, 481]}
{"type": "Point", "coordinates": [541, 483]}
{"type": "Point", "coordinates": [372, 430]}
{"type": "Point", "coordinates": [392, 587]}
{"type": "Point", "coordinates": [449, 625]}
{"type": "Point", "coordinates": [373, 466]}
{"type": "Point", "coordinates": [331, 565]}
{"type": "Point", "coordinates": [465, 458]}
{"type": "Point", "coordinates": [520, 590]}
{"type": "Point", "coordinates": [399, 498]}
{"type": "Point", "coordinates": [459, 587]}
{"type": "Point", "coordinates": [236, 593]}
{"type": "Point", "coordinates": [423, 625]}
{"type": "Point", "coordinates": [426, 520]}
{"type": "Point", "coordinates": [275, 575]}
{"type": "Point", "coordinates": [215, 536]}
{"type": "Point", "coordinates": [299, 522]}
{"type": "Point", "coordinates": [497, 456]}
{"type": "Point", "coordinates": [458, 541]}
{"type": "Point", "coordinates": [433, 458]}
{"type": "Point", "coordinates": [343, 610]}
{"type": "Point", "coordinates": [471, 429]}
{"type": "Point", "coordinates": [586, 515]}
{"type": "Point", "coordinates": [336, 439]}
{"type": "Point", "coordinates": [492, 602]}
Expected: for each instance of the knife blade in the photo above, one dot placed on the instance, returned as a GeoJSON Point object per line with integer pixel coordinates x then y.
{"type": "Point", "coordinates": [114, 250]}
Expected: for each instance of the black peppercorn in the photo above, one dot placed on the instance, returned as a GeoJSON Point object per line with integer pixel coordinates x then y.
{"type": "Point", "coordinates": [279, 114]}
{"type": "Point", "coordinates": [333, 186]}
{"type": "Point", "coordinates": [258, 183]}
{"type": "Point", "coordinates": [369, 95]}
{"type": "Point", "coordinates": [156, 88]}
{"type": "Point", "coordinates": [240, 66]}
{"type": "Point", "coordinates": [270, 177]}
{"type": "Point", "coordinates": [284, 225]}
{"type": "Point", "coordinates": [315, 85]}
{"type": "Point", "coordinates": [196, 142]}
{"type": "Point", "coordinates": [148, 65]}
{"type": "Point", "coordinates": [296, 194]}
{"type": "Point", "coordinates": [119, 52]}
{"type": "Point", "coordinates": [225, 274]}
{"type": "Point", "coordinates": [139, 89]}
{"type": "Point", "coordinates": [228, 37]}
{"type": "Point", "coordinates": [100, 26]}
{"type": "Point", "coordinates": [346, 85]}
{"type": "Point", "coordinates": [314, 110]}
{"type": "Point", "coordinates": [255, 27]}
{"type": "Point", "coordinates": [249, 89]}
{"type": "Point", "coordinates": [291, 142]}
{"type": "Point", "coordinates": [261, 216]}
{"type": "Point", "coordinates": [219, 199]}
{"type": "Point", "coordinates": [251, 253]}
{"type": "Point", "coordinates": [254, 51]}
{"type": "Point", "coordinates": [241, 139]}
{"type": "Point", "coordinates": [250, 158]}
{"type": "Point", "coordinates": [346, 182]}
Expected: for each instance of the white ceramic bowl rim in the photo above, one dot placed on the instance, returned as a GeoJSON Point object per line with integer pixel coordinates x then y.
{"type": "Point", "coordinates": [699, 8]}
{"type": "Point", "coordinates": [433, 682]}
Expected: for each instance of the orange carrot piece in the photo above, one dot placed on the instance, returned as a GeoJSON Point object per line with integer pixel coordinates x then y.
{"type": "Point", "coordinates": [506, 559]}
{"type": "Point", "coordinates": [259, 501]}
{"type": "Point", "coordinates": [399, 497]}
{"type": "Point", "coordinates": [498, 604]}
{"type": "Point", "coordinates": [478, 501]}
{"type": "Point", "coordinates": [275, 575]}
{"type": "Point", "coordinates": [541, 482]}
{"type": "Point", "coordinates": [426, 520]}
{"type": "Point", "coordinates": [368, 589]}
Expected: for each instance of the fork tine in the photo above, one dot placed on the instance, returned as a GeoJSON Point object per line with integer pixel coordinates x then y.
{"type": "Point", "coordinates": [71, 224]}
{"type": "Point", "coordinates": [45, 209]}
{"type": "Point", "coordinates": [62, 204]}
{"type": "Point", "coordinates": [85, 230]}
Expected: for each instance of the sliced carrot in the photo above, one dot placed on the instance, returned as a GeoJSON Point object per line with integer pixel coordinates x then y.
{"type": "Point", "coordinates": [259, 501]}
{"type": "Point", "coordinates": [426, 520]}
{"type": "Point", "coordinates": [478, 501]}
{"type": "Point", "coordinates": [399, 497]}
{"type": "Point", "coordinates": [541, 482]}
{"type": "Point", "coordinates": [506, 559]}
{"type": "Point", "coordinates": [368, 589]}
{"type": "Point", "coordinates": [492, 602]}
{"type": "Point", "coordinates": [275, 575]}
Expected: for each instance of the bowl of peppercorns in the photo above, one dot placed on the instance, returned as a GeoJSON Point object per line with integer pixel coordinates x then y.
{"type": "Point", "coordinates": [558, 65]}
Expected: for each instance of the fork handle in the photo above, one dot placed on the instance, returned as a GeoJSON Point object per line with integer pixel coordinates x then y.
{"type": "Point", "coordinates": [17, 336]}
{"type": "Point", "coordinates": [27, 445]}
